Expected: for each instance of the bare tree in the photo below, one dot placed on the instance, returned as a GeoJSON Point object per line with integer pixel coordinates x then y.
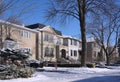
{"type": "Point", "coordinates": [106, 29]}
{"type": "Point", "coordinates": [14, 11]}
{"type": "Point", "coordinates": [63, 10]}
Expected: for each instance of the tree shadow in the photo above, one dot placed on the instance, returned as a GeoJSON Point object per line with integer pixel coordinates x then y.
{"type": "Point", "coordinates": [101, 79]}
{"type": "Point", "coordinates": [60, 71]}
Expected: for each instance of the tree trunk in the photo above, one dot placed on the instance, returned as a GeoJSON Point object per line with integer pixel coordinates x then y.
{"type": "Point", "coordinates": [108, 61]}
{"type": "Point", "coordinates": [84, 48]}
{"type": "Point", "coordinates": [82, 17]}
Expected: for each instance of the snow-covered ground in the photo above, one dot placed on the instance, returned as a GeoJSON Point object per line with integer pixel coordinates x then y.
{"type": "Point", "coordinates": [110, 74]}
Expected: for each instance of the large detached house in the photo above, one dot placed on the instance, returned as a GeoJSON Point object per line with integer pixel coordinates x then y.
{"type": "Point", "coordinates": [55, 47]}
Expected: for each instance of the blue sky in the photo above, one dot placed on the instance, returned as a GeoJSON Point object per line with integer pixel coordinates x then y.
{"type": "Point", "coordinates": [70, 29]}
{"type": "Point", "coordinates": [37, 15]}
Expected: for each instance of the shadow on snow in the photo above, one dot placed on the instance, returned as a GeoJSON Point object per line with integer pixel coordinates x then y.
{"type": "Point", "coordinates": [101, 79]}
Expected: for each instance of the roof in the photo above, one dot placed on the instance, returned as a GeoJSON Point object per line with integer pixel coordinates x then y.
{"type": "Point", "coordinates": [16, 26]}
{"type": "Point", "coordinates": [37, 25]}
{"type": "Point", "coordinates": [57, 32]}
{"type": "Point", "coordinates": [91, 39]}
{"type": "Point", "coordinates": [70, 37]}
{"type": "Point", "coordinates": [40, 26]}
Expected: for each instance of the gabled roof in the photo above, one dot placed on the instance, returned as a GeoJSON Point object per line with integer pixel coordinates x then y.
{"type": "Point", "coordinates": [40, 26]}
{"type": "Point", "coordinates": [57, 32]}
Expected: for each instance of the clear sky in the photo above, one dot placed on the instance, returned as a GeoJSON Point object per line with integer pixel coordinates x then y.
{"type": "Point", "coordinates": [37, 15]}
{"type": "Point", "coordinates": [70, 29]}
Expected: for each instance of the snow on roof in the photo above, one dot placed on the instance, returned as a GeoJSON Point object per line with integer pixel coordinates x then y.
{"type": "Point", "coordinates": [70, 37]}
{"type": "Point", "coordinates": [91, 39]}
{"type": "Point", "coordinates": [18, 26]}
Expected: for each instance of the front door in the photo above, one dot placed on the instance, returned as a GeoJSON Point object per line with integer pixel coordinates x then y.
{"type": "Point", "coordinates": [63, 53]}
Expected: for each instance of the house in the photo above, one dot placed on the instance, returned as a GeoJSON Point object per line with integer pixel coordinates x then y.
{"type": "Point", "coordinates": [73, 49]}
{"type": "Point", "coordinates": [115, 53]}
{"type": "Point", "coordinates": [25, 38]}
{"type": "Point", "coordinates": [49, 42]}
{"type": "Point", "coordinates": [93, 50]}
{"type": "Point", "coordinates": [55, 47]}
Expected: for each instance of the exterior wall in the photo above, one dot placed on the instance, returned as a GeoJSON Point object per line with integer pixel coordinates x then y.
{"type": "Point", "coordinates": [89, 52]}
{"type": "Point", "coordinates": [48, 39]}
{"type": "Point", "coordinates": [115, 54]}
{"type": "Point", "coordinates": [73, 49]}
{"type": "Point", "coordinates": [58, 41]}
{"type": "Point", "coordinates": [24, 42]}
{"type": "Point", "coordinates": [92, 51]}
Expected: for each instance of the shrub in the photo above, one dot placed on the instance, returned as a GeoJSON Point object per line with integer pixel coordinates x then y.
{"type": "Point", "coordinates": [25, 72]}
{"type": "Point", "coordinates": [13, 64]}
{"type": "Point", "coordinates": [12, 71]}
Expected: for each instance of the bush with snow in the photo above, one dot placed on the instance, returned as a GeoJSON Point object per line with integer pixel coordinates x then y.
{"type": "Point", "coordinates": [13, 64]}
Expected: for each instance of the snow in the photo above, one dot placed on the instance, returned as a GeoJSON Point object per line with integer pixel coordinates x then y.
{"type": "Point", "coordinates": [109, 74]}
{"type": "Point", "coordinates": [91, 39]}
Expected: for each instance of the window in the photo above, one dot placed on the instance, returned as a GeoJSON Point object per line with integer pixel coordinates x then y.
{"type": "Point", "coordinates": [75, 53]}
{"type": "Point", "coordinates": [65, 42]}
{"type": "Point", "coordinates": [71, 42]}
{"type": "Point", "coordinates": [75, 42]}
{"type": "Point", "coordinates": [58, 41]}
{"type": "Point", "coordinates": [46, 37]}
{"type": "Point", "coordinates": [52, 52]}
{"type": "Point", "coordinates": [46, 51]}
{"type": "Point", "coordinates": [80, 52]}
{"type": "Point", "coordinates": [51, 39]}
{"type": "Point", "coordinates": [25, 34]}
{"type": "Point", "coordinates": [49, 52]}
{"type": "Point", "coordinates": [71, 53]}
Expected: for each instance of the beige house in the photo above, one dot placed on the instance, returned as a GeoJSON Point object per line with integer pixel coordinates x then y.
{"type": "Point", "coordinates": [92, 50]}
{"type": "Point", "coordinates": [55, 47]}
{"type": "Point", "coordinates": [49, 42]}
{"type": "Point", "coordinates": [24, 37]}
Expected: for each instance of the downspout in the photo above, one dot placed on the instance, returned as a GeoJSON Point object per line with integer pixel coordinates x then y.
{"type": "Point", "coordinates": [41, 44]}
{"type": "Point", "coordinates": [37, 45]}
